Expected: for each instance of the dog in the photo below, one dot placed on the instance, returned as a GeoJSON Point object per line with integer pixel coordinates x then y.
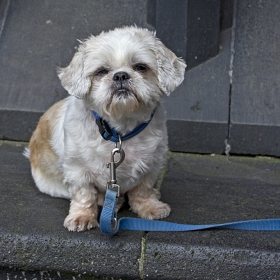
{"type": "Point", "coordinates": [119, 78]}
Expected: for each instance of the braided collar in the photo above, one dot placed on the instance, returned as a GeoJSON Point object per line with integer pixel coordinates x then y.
{"type": "Point", "coordinates": [109, 133]}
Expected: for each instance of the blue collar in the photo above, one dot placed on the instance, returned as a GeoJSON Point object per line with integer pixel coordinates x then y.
{"type": "Point", "coordinates": [109, 133]}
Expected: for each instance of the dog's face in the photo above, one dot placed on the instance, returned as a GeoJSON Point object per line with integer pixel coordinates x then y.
{"type": "Point", "coordinates": [122, 73]}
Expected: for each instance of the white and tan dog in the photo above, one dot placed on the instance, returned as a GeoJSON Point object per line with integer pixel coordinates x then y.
{"type": "Point", "coordinates": [122, 76]}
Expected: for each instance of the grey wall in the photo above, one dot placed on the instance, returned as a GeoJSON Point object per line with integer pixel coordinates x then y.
{"type": "Point", "coordinates": [230, 103]}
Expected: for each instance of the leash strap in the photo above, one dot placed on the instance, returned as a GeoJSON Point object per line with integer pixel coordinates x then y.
{"type": "Point", "coordinates": [151, 225]}
{"type": "Point", "coordinates": [109, 224]}
{"type": "Point", "coordinates": [108, 218]}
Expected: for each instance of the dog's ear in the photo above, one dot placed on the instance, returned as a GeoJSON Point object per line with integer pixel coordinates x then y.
{"type": "Point", "coordinates": [73, 77]}
{"type": "Point", "coordinates": [171, 69]}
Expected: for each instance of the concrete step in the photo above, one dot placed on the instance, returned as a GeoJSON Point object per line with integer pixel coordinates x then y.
{"type": "Point", "coordinates": [199, 188]}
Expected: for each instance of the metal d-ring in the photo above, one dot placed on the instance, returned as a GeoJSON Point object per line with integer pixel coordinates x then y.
{"type": "Point", "coordinates": [114, 224]}
{"type": "Point", "coordinates": [120, 151]}
{"type": "Point", "coordinates": [120, 142]}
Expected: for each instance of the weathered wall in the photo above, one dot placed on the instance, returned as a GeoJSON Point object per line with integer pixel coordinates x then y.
{"type": "Point", "coordinates": [229, 103]}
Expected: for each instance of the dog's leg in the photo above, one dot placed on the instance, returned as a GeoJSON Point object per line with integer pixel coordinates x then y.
{"type": "Point", "coordinates": [83, 209]}
{"type": "Point", "coordinates": [144, 201]}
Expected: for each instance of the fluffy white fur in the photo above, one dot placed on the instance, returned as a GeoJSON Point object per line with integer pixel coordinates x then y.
{"type": "Point", "coordinates": [67, 153]}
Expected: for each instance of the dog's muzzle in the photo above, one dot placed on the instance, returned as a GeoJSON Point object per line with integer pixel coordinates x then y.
{"type": "Point", "coordinates": [121, 89]}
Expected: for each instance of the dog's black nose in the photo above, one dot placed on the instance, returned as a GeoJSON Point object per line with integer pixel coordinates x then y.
{"type": "Point", "coordinates": [121, 76]}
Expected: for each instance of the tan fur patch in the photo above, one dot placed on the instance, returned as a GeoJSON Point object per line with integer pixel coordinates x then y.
{"type": "Point", "coordinates": [81, 218]}
{"type": "Point", "coordinates": [144, 201]}
{"type": "Point", "coordinates": [41, 153]}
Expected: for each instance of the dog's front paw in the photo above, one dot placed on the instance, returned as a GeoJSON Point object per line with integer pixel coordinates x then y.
{"type": "Point", "coordinates": [74, 222]}
{"type": "Point", "coordinates": [153, 209]}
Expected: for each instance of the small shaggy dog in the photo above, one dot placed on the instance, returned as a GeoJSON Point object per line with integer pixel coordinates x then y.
{"type": "Point", "coordinates": [118, 77]}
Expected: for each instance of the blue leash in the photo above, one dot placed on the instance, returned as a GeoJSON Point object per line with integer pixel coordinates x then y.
{"type": "Point", "coordinates": [108, 219]}
{"type": "Point", "coordinates": [110, 225]}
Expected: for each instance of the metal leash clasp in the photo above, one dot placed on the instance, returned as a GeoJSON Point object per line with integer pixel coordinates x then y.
{"type": "Point", "coordinates": [112, 184]}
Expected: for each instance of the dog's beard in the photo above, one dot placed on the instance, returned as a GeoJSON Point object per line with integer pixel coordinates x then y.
{"type": "Point", "coordinates": [123, 102]}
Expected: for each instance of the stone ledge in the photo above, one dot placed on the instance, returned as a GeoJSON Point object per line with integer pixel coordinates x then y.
{"type": "Point", "coordinates": [200, 189]}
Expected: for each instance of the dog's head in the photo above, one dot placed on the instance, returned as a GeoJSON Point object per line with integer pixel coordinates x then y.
{"type": "Point", "coordinates": [123, 72]}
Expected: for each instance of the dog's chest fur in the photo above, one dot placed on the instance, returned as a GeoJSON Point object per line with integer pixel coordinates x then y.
{"type": "Point", "coordinates": [83, 153]}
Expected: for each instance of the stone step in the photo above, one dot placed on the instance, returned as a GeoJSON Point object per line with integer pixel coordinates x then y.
{"type": "Point", "coordinates": [199, 188]}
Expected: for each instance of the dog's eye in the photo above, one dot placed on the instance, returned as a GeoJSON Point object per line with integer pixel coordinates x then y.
{"type": "Point", "coordinates": [140, 67]}
{"type": "Point", "coordinates": [102, 72]}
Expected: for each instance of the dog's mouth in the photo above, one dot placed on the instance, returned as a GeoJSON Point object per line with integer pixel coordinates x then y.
{"type": "Point", "coordinates": [123, 100]}
{"type": "Point", "coordinates": [121, 93]}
